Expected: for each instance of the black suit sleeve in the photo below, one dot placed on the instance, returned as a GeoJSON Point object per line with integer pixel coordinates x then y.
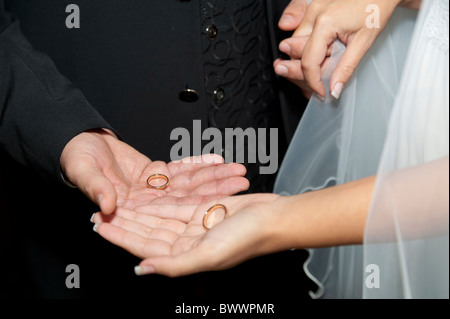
{"type": "Point", "coordinates": [40, 110]}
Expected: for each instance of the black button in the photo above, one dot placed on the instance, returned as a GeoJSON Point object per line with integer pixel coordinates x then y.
{"type": "Point", "coordinates": [211, 32]}
{"type": "Point", "coordinates": [219, 96]}
{"type": "Point", "coordinates": [189, 95]}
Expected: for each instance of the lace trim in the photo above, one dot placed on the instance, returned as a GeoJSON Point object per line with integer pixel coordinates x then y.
{"type": "Point", "coordinates": [438, 26]}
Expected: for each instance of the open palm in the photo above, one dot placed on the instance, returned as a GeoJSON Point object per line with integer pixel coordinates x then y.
{"type": "Point", "coordinates": [113, 174]}
{"type": "Point", "coordinates": [172, 241]}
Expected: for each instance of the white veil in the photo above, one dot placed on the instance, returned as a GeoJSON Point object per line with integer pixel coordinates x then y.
{"type": "Point", "coordinates": [340, 141]}
{"type": "Point", "coordinates": [407, 232]}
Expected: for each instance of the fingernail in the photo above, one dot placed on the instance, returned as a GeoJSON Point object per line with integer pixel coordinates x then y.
{"type": "Point", "coordinates": [337, 90]}
{"type": "Point", "coordinates": [285, 47]}
{"type": "Point", "coordinates": [143, 270]}
{"type": "Point", "coordinates": [281, 70]}
{"type": "Point", "coordinates": [320, 97]}
{"type": "Point", "coordinates": [92, 217]}
{"type": "Point", "coordinates": [286, 19]}
{"type": "Point", "coordinates": [95, 227]}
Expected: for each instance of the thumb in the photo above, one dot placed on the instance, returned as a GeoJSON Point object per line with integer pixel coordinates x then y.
{"type": "Point", "coordinates": [191, 262]}
{"type": "Point", "coordinates": [293, 15]}
{"type": "Point", "coordinates": [169, 266]}
{"type": "Point", "coordinates": [95, 185]}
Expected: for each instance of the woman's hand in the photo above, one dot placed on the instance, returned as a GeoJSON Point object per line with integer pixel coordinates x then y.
{"type": "Point", "coordinates": [324, 22]}
{"type": "Point", "coordinates": [173, 242]}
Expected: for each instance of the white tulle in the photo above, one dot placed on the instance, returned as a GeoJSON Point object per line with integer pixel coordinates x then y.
{"type": "Point", "coordinates": [391, 117]}
{"type": "Point", "coordinates": [407, 234]}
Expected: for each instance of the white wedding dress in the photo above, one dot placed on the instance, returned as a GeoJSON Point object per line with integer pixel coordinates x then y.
{"type": "Point", "coordinates": [391, 120]}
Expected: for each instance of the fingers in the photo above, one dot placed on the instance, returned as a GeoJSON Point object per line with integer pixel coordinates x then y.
{"type": "Point", "coordinates": [194, 261]}
{"type": "Point", "coordinates": [145, 230]}
{"type": "Point", "coordinates": [292, 70]}
{"type": "Point", "coordinates": [293, 15]}
{"type": "Point", "coordinates": [324, 22]}
{"type": "Point", "coordinates": [193, 178]}
{"type": "Point", "coordinates": [229, 186]}
{"type": "Point", "coordinates": [356, 50]}
{"type": "Point", "coordinates": [227, 244]}
{"type": "Point", "coordinates": [220, 179]}
{"type": "Point", "coordinates": [314, 55]}
{"type": "Point", "coordinates": [295, 46]}
{"type": "Point", "coordinates": [186, 200]}
{"type": "Point", "coordinates": [144, 235]}
{"type": "Point", "coordinates": [183, 213]}
{"type": "Point", "coordinates": [193, 163]}
{"type": "Point", "coordinates": [122, 217]}
{"type": "Point", "coordinates": [132, 242]}
{"type": "Point", "coordinates": [308, 22]}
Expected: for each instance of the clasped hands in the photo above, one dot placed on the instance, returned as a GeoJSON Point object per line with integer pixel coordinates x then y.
{"type": "Point", "coordinates": [164, 227]}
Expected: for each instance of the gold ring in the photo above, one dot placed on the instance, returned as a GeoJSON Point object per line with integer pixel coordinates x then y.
{"type": "Point", "coordinates": [210, 210]}
{"type": "Point", "coordinates": [158, 176]}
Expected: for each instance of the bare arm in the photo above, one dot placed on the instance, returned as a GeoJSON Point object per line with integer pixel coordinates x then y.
{"type": "Point", "coordinates": [330, 217]}
{"type": "Point", "coordinates": [173, 241]}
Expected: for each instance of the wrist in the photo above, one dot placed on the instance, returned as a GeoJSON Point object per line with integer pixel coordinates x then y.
{"type": "Point", "coordinates": [283, 227]}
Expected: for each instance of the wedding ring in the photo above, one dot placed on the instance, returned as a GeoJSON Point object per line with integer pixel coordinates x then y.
{"type": "Point", "coordinates": [210, 211]}
{"type": "Point", "coordinates": [158, 176]}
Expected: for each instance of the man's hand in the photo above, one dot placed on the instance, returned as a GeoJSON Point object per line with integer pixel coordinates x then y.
{"type": "Point", "coordinates": [293, 15]}
{"type": "Point", "coordinates": [292, 69]}
{"type": "Point", "coordinates": [113, 174]}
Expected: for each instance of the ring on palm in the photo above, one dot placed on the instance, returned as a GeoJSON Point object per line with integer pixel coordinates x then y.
{"type": "Point", "coordinates": [210, 211]}
{"type": "Point", "coordinates": [158, 176]}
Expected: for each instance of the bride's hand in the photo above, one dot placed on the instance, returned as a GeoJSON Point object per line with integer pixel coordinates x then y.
{"type": "Point", "coordinates": [173, 241]}
{"type": "Point", "coordinates": [324, 22]}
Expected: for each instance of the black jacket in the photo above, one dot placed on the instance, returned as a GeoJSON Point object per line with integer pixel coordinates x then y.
{"type": "Point", "coordinates": [127, 67]}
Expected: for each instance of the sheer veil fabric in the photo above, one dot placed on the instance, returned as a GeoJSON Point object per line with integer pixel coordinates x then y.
{"type": "Point", "coordinates": [391, 120]}
{"type": "Point", "coordinates": [407, 233]}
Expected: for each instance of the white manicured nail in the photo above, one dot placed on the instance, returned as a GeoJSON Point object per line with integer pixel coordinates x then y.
{"type": "Point", "coordinates": [92, 217]}
{"type": "Point", "coordinates": [95, 227]}
{"type": "Point", "coordinates": [337, 90]}
{"type": "Point", "coordinates": [319, 97]}
{"type": "Point", "coordinates": [143, 270]}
